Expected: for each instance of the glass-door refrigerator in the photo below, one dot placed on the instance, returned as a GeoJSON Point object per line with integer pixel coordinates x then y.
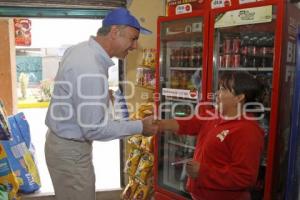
{"type": "Point", "coordinates": [259, 37]}
{"type": "Point", "coordinates": [180, 71]}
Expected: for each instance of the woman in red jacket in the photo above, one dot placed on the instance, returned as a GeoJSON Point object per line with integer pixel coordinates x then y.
{"type": "Point", "coordinates": [229, 143]}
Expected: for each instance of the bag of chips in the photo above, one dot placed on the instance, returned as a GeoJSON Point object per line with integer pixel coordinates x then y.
{"type": "Point", "coordinates": [5, 133]}
{"type": "Point", "coordinates": [141, 192]}
{"type": "Point", "coordinates": [19, 155]}
{"type": "Point", "coordinates": [147, 144]}
{"type": "Point", "coordinates": [144, 168]}
{"type": "Point", "coordinates": [129, 189]}
{"type": "Point", "coordinates": [8, 177]}
{"type": "Point", "coordinates": [135, 141]}
{"type": "Point", "coordinates": [132, 162]}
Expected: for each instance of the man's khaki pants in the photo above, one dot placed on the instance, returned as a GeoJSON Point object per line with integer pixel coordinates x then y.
{"type": "Point", "coordinates": [71, 169]}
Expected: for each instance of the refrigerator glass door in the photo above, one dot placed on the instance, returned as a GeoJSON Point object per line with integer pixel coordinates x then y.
{"type": "Point", "coordinates": [181, 53]}
{"type": "Point", "coordinates": [244, 41]}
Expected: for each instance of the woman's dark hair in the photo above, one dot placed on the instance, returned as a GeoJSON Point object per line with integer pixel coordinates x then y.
{"type": "Point", "coordinates": [240, 82]}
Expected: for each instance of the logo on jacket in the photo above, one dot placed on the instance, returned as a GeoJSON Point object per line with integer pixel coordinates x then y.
{"type": "Point", "coordinates": [222, 135]}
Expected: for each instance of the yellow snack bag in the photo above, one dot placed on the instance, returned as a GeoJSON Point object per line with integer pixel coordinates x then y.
{"type": "Point", "coordinates": [135, 141]}
{"type": "Point", "coordinates": [129, 189]}
{"type": "Point", "coordinates": [147, 144]}
{"type": "Point", "coordinates": [8, 177]}
{"type": "Point", "coordinates": [144, 168]}
{"type": "Point", "coordinates": [141, 193]}
{"type": "Point", "coordinates": [132, 162]}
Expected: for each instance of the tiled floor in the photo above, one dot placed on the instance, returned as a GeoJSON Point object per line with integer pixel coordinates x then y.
{"type": "Point", "coordinates": [106, 154]}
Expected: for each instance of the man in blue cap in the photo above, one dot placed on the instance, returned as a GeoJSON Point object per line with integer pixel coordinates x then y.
{"type": "Point", "coordinates": [78, 112]}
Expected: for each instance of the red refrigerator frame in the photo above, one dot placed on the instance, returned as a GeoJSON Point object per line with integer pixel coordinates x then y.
{"type": "Point", "coordinates": [161, 193]}
{"type": "Point", "coordinates": [275, 81]}
{"type": "Point", "coordinates": [284, 9]}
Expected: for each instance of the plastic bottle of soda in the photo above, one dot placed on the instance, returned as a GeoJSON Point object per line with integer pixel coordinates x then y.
{"type": "Point", "coordinates": [244, 51]}
{"type": "Point", "coordinates": [263, 51]}
{"type": "Point", "coordinates": [253, 51]}
{"type": "Point", "coordinates": [173, 58]}
{"type": "Point", "coordinates": [270, 50]}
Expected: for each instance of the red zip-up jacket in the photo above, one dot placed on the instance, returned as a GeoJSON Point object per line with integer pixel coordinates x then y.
{"type": "Point", "coordinates": [229, 153]}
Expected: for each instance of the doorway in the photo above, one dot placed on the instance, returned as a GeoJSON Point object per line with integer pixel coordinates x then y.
{"type": "Point", "coordinates": [40, 62]}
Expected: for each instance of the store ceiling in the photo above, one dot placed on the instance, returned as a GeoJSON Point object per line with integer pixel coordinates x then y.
{"type": "Point", "coordinates": [65, 3]}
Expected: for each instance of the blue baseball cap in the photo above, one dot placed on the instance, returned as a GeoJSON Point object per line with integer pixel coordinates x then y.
{"type": "Point", "coordinates": [121, 16]}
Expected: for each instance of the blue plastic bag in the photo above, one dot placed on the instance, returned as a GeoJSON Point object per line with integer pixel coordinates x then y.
{"type": "Point", "coordinates": [20, 156]}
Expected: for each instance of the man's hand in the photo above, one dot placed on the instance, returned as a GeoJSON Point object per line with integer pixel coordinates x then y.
{"type": "Point", "coordinates": [149, 126]}
{"type": "Point", "coordinates": [192, 169]}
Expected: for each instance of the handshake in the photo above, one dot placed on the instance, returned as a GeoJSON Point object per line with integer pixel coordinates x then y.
{"type": "Point", "coordinates": [150, 126]}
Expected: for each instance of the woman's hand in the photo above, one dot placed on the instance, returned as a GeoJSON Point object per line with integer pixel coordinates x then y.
{"type": "Point", "coordinates": [192, 169]}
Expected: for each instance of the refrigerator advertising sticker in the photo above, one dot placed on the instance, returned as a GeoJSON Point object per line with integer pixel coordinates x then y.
{"type": "Point", "coordinates": [183, 9]}
{"type": "Point", "coordinates": [177, 7]}
{"type": "Point", "coordinates": [245, 16]}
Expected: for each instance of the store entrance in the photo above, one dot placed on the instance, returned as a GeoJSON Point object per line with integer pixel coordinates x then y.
{"type": "Point", "coordinates": [36, 67]}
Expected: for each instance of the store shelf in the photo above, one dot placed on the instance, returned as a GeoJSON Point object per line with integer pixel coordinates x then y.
{"type": "Point", "coordinates": [147, 67]}
{"type": "Point", "coordinates": [182, 36]}
{"type": "Point", "coordinates": [145, 87]}
{"type": "Point", "coordinates": [260, 69]}
{"type": "Point", "coordinates": [185, 68]}
{"type": "Point", "coordinates": [181, 144]}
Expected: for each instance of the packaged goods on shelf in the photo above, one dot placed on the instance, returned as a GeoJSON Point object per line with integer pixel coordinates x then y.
{"type": "Point", "coordinates": [139, 164]}
{"type": "Point", "coordinates": [8, 177]}
{"type": "Point", "coordinates": [129, 189]}
{"type": "Point", "coordinates": [144, 168]}
{"type": "Point", "coordinates": [20, 154]}
{"type": "Point", "coordinates": [149, 57]}
{"type": "Point", "coordinates": [132, 161]}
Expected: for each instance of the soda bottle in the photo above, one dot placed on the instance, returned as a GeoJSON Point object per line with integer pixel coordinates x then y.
{"type": "Point", "coordinates": [263, 51]}
{"type": "Point", "coordinates": [185, 57]}
{"type": "Point", "coordinates": [252, 51]}
{"type": "Point", "coordinates": [244, 51]}
{"type": "Point", "coordinates": [195, 55]}
{"type": "Point", "coordinates": [177, 58]}
{"type": "Point", "coordinates": [270, 50]}
{"type": "Point", "coordinates": [191, 57]}
{"type": "Point", "coordinates": [256, 52]}
{"type": "Point", "coordinates": [181, 57]}
{"type": "Point", "coordinates": [200, 55]}
{"type": "Point", "coordinates": [173, 58]}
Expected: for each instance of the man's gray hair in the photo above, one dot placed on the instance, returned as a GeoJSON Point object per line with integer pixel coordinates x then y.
{"type": "Point", "coordinates": [104, 30]}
